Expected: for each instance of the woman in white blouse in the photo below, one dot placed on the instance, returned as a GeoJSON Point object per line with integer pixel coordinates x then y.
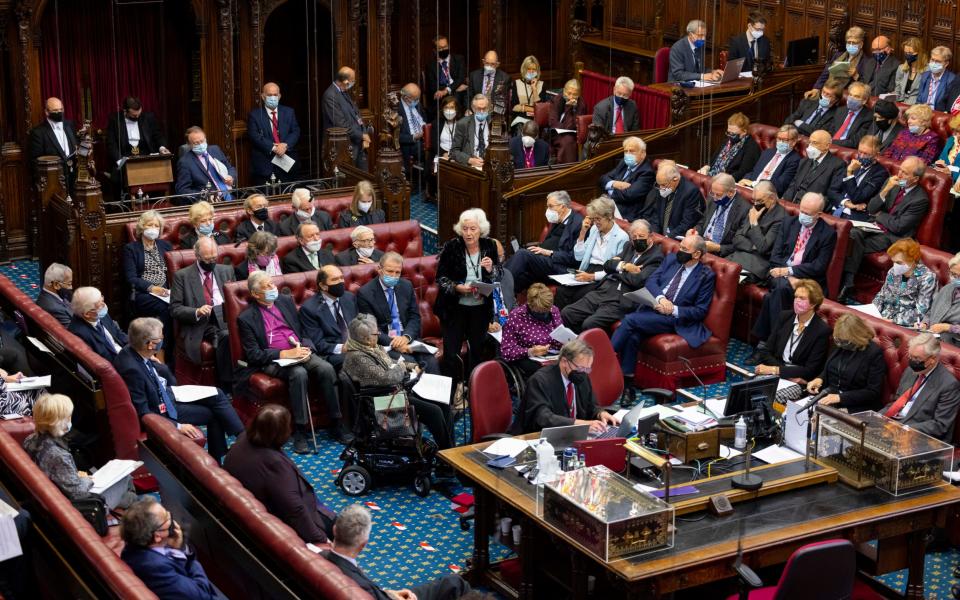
{"type": "Point", "coordinates": [528, 89]}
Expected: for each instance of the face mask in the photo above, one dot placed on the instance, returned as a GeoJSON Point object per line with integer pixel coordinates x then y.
{"type": "Point", "coordinates": [132, 118]}
{"type": "Point", "coordinates": [552, 216]}
{"type": "Point", "coordinates": [915, 129]}
{"type": "Point", "coordinates": [314, 246]}
{"type": "Point", "coordinates": [158, 347]}
{"type": "Point", "coordinates": [263, 261]}
{"type": "Point", "coordinates": [532, 75]}
{"type": "Point", "coordinates": [261, 214]}
{"type": "Point", "coordinates": [630, 159]}
{"type": "Point", "coordinates": [664, 191]}
{"type": "Point", "coordinates": [543, 317]}
{"type": "Point", "coordinates": [102, 311]}
{"type": "Point", "coordinates": [577, 377]}
{"type": "Point", "coordinates": [882, 124]}
{"type": "Point", "coordinates": [853, 49]}
{"type": "Point", "coordinates": [757, 34]}
{"type": "Point", "coordinates": [303, 215]}
{"type": "Point", "coordinates": [205, 229]}
{"type": "Point", "coordinates": [910, 58]}
{"type": "Point", "coordinates": [800, 305]}
{"type": "Point", "coordinates": [806, 220]}
{"type": "Point", "coordinates": [698, 44]}
{"type": "Point", "coordinates": [813, 152]}
{"type": "Point", "coordinates": [481, 116]}
{"type": "Point", "coordinates": [364, 206]}
{"type": "Point", "coordinates": [200, 148]}
{"type": "Point", "coordinates": [758, 205]}
{"type": "Point", "coordinates": [733, 137]}
{"type": "Point", "coordinates": [899, 269]}
{"type": "Point", "coordinates": [56, 117]}
{"type": "Point", "coordinates": [151, 233]}
{"type": "Point", "coordinates": [824, 102]}
{"type": "Point", "coordinates": [350, 84]}
{"type": "Point", "coordinates": [854, 104]}
{"type": "Point", "coordinates": [954, 279]}
{"type": "Point", "coordinates": [528, 141]}
{"type": "Point", "coordinates": [844, 344]}
{"type": "Point", "coordinates": [865, 161]}
{"type": "Point", "coordinates": [271, 295]}
{"type": "Point", "coordinates": [67, 426]}
{"type": "Point", "coordinates": [390, 280]}
{"type": "Point", "coordinates": [365, 252]}
{"type": "Point", "coordinates": [620, 101]}
{"type": "Point", "coordinates": [639, 245]}
{"type": "Point", "coordinates": [902, 183]}
{"type": "Point", "coordinates": [488, 69]}
{"type": "Point", "coordinates": [783, 147]}
{"type": "Point", "coordinates": [879, 57]}
{"type": "Point", "coordinates": [443, 54]}
{"type": "Point", "coordinates": [413, 103]}
{"type": "Point", "coordinates": [450, 114]}
{"type": "Point", "coordinates": [683, 257]}
{"type": "Point", "coordinates": [207, 265]}
{"type": "Point", "coordinates": [272, 102]}
{"type": "Point", "coordinates": [917, 365]}
{"type": "Point", "coordinates": [336, 290]}
{"type": "Point", "coordinates": [65, 293]}
{"type": "Point", "coordinates": [935, 67]}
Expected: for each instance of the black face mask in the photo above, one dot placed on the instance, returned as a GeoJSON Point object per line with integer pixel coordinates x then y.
{"type": "Point", "coordinates": [639, 245]}
{"type": "Point", "coordinates": [683, 257]}
{"type": "Point", "coordinates": [56, 117]}
{"type": "Point", "coordinates": [759, 205]}
{"type": "Point", "coordinates": [577, 377]}
{"type": "Point", "coordinates": [443, 53]}
{"type": "Point", "coordinates": [132, 118]}
{"type": "Point", "coordinates": [336, 290]}
{"type": "Point", "coordinates": [543, 317]}
{"type": "Point", "coordinates": [733, 137]}
{"type": "Point", "coordinates": [65, 293]}
{"type": "Point", "coordinates": [261, 214]}
{"type": "Point", "coordinates": [883, 124]}
{"type": "Point", "coordinates": [917, 365]}
{"type": "Point", "coordinates": [206, 266]}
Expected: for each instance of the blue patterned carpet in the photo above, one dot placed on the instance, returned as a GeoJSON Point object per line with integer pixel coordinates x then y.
{"type": "Point", "coordinates": [426, 213]}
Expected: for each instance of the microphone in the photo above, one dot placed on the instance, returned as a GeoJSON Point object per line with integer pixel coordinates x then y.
{"type": "Point", "coordinates": [703, 388]}
{"type": "Point", "coordinates": [814, 400]}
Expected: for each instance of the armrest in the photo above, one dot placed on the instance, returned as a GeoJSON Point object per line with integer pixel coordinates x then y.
{"type": "Point", "coordinates": [747, 575]}
{"type": "Point", "coordinates": [659, 394]}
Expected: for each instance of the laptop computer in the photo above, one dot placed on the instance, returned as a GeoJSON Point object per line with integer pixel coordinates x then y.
{"type": "Point", "coordinates": [732, 70]}
{"type": "Point", "coordinates": [630, 422]}
{"type": "Point", "coordinates": [564, 437]}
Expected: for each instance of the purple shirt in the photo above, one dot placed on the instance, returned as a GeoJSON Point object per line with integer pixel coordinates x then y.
{"type": "Point", "coordinates": [277, 330]}
{"type": "Point", "coordinates": [521, 332]}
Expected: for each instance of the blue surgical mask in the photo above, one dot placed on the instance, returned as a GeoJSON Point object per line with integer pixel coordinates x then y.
{"type": "Point", "coordinates": [853, 49]}
{"type": "Point", "coordinates": [272, 102]}
{"type": "Point", "coordinates": [390, 280]}
{"type": "Point", "coordinates": [414, 103]}
{"type": "Point", "coordinates": [481, 116]}
{"type": "Point", "coordinates": [102, 311]}
{"type": "Point", "coordinates": [915, 129]}
{"type": "Point", "coordinates": [158, 347]}
{"type": "Point", "coordinates": [935, 67]}
{"type": "Point", "coordinates": [824, 103]}
{"type": "Point", "coordinates": [806, 220]}
{"type": "Point", "coordinates": [620, 101]}
{"type": "Point", "coordinates": [783, 147]}
{"type": "Point", "coordinates": [205, 229]}
{"type": "Point", "coordinates": [854, 103]}
{"type": "Point", "coordinates": [630, 159]}
{"type": "Point", "coordinates": [271, 295]}
{"type": "Point", "coordinates": [698, 44]}
{"type": "Point", "coordinates": [532, 75]}
{"type": "Point", "coordinates": [902, 183]}
{"type": "Point", "coordinates": [200, 148]}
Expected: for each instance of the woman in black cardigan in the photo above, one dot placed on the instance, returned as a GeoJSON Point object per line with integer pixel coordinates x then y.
{"type": "Point", "coordinates": [738, 153]}
{"type": "Point", "coordinates": [797, 348]}
{"type": "Point", "coordinates": [465, 313]}
{"type": "Point", "coordinates": [855, 371]}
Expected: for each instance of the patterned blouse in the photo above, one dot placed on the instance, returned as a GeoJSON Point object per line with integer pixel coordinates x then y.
{"type": "Point", "coordinates": [906, 300]}
{"type": "Point", "coordinates": [154, 269]}
{"type": "Point", "coordinates": [522, 332]}
{"type": "Point", "coordinates": [56, 462]}
{"type": "Point", "coordinates": [926, 146]}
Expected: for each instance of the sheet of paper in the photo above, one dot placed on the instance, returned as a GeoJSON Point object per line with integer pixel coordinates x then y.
{"type": "Point", "coordinates": [784, 384]}
{"type": "Point", "coordinates": [746, 74]}
{"type": "Point", "coordinates": [776, 454]}
{"type": "Point", "coordinates": [39, 345]}
{"type": "Point", "coordinates": [891, 96]}
{"type": "Point", "coordinates": [703, 84]}
{"type": "Point", "coordinates": [112, 472]}
{"type": "Point", "coordinates": [659, 409]}
{"type": "Point", "coordinates": [434, 387]}
{"type": "Point", "coordinates": [520, 120]}
{"type": "Point", "coordinates": [867, 309]}
{"type": "Point", "coordinates": [716, 405]}
{"type": "Point", "coordinates": [742, 277]}
{"type": "Point", "coordinates": [866, 225]}
{"type": "Point", "coordinates": [483, 288]}
{"type": "Point", "coordinates": [620, 414]}
{"type": "Point", "coordinates": [568, 279]}
{"type": "Point", "coordinates": [506, 447]}
{"type": "Point", "coordinates": [563, 334]}
{"type": "Point", "coordinates": [497, 335]}
{"type": "Point", "coordinates": [795, 420]}
{"type": "Point", "coordinates": [286, 362]}
{"type": "Point", "coordinates": [728, 452]}
{"type": "Point", "coordinates": [642, 296]}
{"type": "Point", "coordinates": [313, 548]}
{"type": "Point", "coordinates": [192, 393]}
{"type": "Point", "coordinates": [953, 168]}
{"type": "Point", "coordinates": [418, 346]}
{"type": "Point", "coordinates": [558, 130]}
{"type": "Point", "coordinates": [164, 298]}
{"type": "Point", "coordinates": [30, 383]}
{"type": "Point", "coordinates": [9, 542]}
{"type": "Point", "coordinates": [284, 162]}
{"type": "Point", "coordinates": [549, 358]}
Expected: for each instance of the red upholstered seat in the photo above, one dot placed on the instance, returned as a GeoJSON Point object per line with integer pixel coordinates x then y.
{"type": "Point", "coordinates": [541, 114]}
{"type": "Point", "coordinates": [824, 569]}
{"type": "Point", "coordinates": [606, 376]}
{"type": "Point", "coordinates": [18, 429]}
{"type": "Point", "coordinates": [661, 65]}
{"type": "Point", "coordinates": [764, 135]}
{"type": "Point", "coordinates": [583, 125]}
{"type": "Point", "coordinates": [491, 409]}
{"type": "Point", "coordinates": [428, 137]}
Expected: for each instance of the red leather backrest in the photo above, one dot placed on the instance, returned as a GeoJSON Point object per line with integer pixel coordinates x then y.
{"type": "Point", "coordinates": [541, 114]}
{"type": "Point", "coordinates": [937, 185]}
{"type": "Point", "coordinates": [941, 124]}
{"type": "Point", "coordinates": [661, 65]}
{"type": "Point", "coordinates": [765, 135]}
{"type": "Point", "coordinates": [491, 409]}
{"type": "Point", "coordinates": [583, 126]}
{"type": "Point", "coordinates": [428, 137]}
{"type": "Point", "coordinates": [950, 358]}
{"type": "Point", "coordinates": [422, 273]}
{"type": "Point", "coordinates": [606, 376]}
{"type": "Point", "coordinates": [844, 154]}
{"type": "Point", "coordinates": [698, 179]}
{"type": "Point", "coordinates": [938, 261]}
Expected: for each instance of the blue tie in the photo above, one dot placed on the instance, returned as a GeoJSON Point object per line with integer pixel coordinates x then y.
{"type": "Point", "coordinates": [162, 390]}
{"type": "Point", "coordinates": [103, 332]}
{"type": "Point", "coordinates": [215, 175]}
{"type": "Point", "coordinates": [394, 312]}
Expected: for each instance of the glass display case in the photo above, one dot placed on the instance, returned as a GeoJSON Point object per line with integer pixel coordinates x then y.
{"type": "Point", "coordinates": [606, 513]}
{"type": "Point", "coordinates": [869, 449]}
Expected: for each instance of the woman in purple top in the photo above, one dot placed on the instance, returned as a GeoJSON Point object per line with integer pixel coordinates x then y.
{"type": "Point", "coordinates": [917, 139]}
{"type": "Point", "coordinates": [527, 331]}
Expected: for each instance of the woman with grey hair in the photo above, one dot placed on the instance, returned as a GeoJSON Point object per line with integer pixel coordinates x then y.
{"type": "Point", "coordinates": [368, 364]}
{"type": "Point", "coordinates": [261, 256]}
{"type": "Point", "coordinates": [467, 260]}
{"type": "Point", "coordinates": [145, 271]}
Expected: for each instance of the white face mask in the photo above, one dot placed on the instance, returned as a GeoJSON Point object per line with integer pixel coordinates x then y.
{"type": "Point", "coordinates": [449, 114]}
{"type": "Point", "coordinates": [304, 216]}
{"type": "Point", "coordinates": [757, 34]}
{"type": "Point", "coordinates": [813, 152]}
{"type": "Point", "coordinates": [365, 252]}
{"type": "Point", "coordinates": [664, 192]}
{"type": "Point", "coordinates": [552, 216]}
{"type": "Point", "coordinates": [314, 246]}
{"type": "Point", "coordinates": [364, 206]}
{"type": "Point", "coordinates": [151, 233]}
{"type": "Point", "coordinates": [899, 269]}
{"type": "Point", "coordinates": [527, 141]}
{"type": "Point", "coordinates": [67, 426]}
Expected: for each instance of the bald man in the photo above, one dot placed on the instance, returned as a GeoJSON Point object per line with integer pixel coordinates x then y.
{"type": "Point", "coordinates": [273, 132]}
{"type": "Point", "coordinates": [882, 77]}
{"type": "Point", "coordinates": [340, 110]}
{"type": "Point", "coordinates": [55, 136]}
{"type": "Point", "coordinates": [411, 128]}
{"type": "Point", "coordinates": [820, 171]}
{"type": "Point", "coordinates": [492, 83]}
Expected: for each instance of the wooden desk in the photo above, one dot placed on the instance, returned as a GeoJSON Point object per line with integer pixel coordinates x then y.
{"type": "Point", "coordinates": [704, 550]}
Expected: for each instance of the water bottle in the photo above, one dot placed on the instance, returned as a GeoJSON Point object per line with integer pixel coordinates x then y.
{"type": "Point", "coordinates": [569, 458]}
{"type": "Point", "coordinates": [740, 434]}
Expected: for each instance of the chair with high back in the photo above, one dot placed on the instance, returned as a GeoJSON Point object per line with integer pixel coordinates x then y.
{"type": "Point", "coordinates": [661, 65]}
{"type": "Point", "coordinates": [824, 570]}
{"type": "Point", "coordinates": [606, 376]}
{"type": "Point", "coordinates": [491, 409]}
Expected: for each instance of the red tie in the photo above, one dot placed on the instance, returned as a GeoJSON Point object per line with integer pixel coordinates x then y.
{"type": "Point", "coordinates": [801, 245]}
{"type": "Point", "coordinates": [276, 127]}
{"type": "Point", "coordinates": [843, 128]}
{"type": "Point", "coordinates": [208, 288]}
{"type": "Point", "coordinates": [571, 407]}
{"type": "Point", "coordinates": [897, 406]}
{"type": "Point", "coordinates": [618, 125]}
{"type": "Point", "coordinates": [528, 158]}
{"type": "Point", "coordinates": [896, 203]}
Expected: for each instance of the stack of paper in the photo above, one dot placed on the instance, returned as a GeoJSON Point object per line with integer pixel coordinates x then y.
{"type": "Point", "coordinates": [776, 454]}
{"type": "Point", "coordinates": [112, 472]}
{"type": "Point", "coordinates": [29, 383]}
{"type": "Point", "coordinates": [696, 420]}
{"type": "Point", "coordinates": [568, 279]}
{"type": "Point", "coordinates": [507, 447]}
{"type": "Point", "coordinates": [434, 387]}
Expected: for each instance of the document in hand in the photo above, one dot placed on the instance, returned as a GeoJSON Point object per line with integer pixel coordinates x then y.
{"type": "Point", "coordinates": [39, 345]}
{"type": "Point", "coordinates": [286, 362]}
{"type": "Point", "coordinates": [418, 346]}
{"type": "Point", "coordinates": [9, 542]}
{"type": "Point", "coordinates": [643, 297]}
{"type": "Point", "coordinates": [159, 297]}
{"type": "Point", "coordinates": [866, 225]}
{"type": "Point", "coordinates": [284, 162]}
{"type": "Point", "coordinates": [497, 335]}
{"type": "Point", "coordinates": [568, 279]}
{"type": "Point", "coordinates": [29, 383]}
{"type": "Point", "coordinates": [563, 334]}
{"type": "Point", "coordinates": [192, 393]}
{"type": "Point", "coordinates": [483, 288]}
{"type": "Point", "coordinates": [434, 387]}
{"type": "Point", "coordinates": [112, 472]}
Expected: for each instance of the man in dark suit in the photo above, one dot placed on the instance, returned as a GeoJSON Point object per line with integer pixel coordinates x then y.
{"type": "Point", "coordinates": [897, 210]}
{"type": "Point", "coordinates": [528, 150]}
{"type": "Point", "coordinates": [204, 167]}
{"type": "Point", "coordinates": [492, 83]}
{"type": "Point", "coordinates": [682, 288]}
{"type": "Point", "coordinates": [754, 240]}
{"type": "Point", "coordinates": [687, 56]}
{"type": "Point", "coordinates": [258, 218]}
{"type": "Point", "coordinates": [820, 172]}
{"type": "Point", "coordinates": [554, 255]}
{"type": "Point", "coordinates": [936, 80]}
{"type": "Point", "coordinates": [882, 78]}
{"type": "Point", "coordinates": [309, 255]}
{"type": "Point", "coordinates": [325, 315]}
{"type": "Point", "coordinates": [274, 132]}
{"type": "Point", "coordinates": [862, 180]}
{"type": "Point", "coordinates": [562, 394]}
{"type": "Point", "coordinates": [752, 45]}
{"type": "Point", "coordinates": [605, 304]}
{"type": "Point", "coordinates": [815, 114]}
{"type": "Point", "coordinates": [304, 211]}
{"type": "Point", "coordinates": [363, 251]}
{"type": "Point", "coordinates": [803, 251]}
{"type": "Point", "coordinates": [852, 122]}
{"type": "Point", "coordinates": [150, 383]}
{"type": "Point", "coordinates": [196, 303]}
{"type": "Point", "coordinates": [725, 213]}
{"type": "Point", "coordinates": [928, 395]}
{"type": "Point", "coordinates": [630, 182]}
{"type": "Point", "coordinates": [92, 323]}
{"type": "Point", "coordinates": [778, 164]}
{"type": "Point", "coordinates": [57, 290]}
{"type": "Point", "coordinates": [133, 132]}
{"type": "Point", "coordinates": [618, 113]}
{"type": "Point", "coordinates": [269, 330]}
{"type": "Point", "coordinates": [885, 125]}
{"type": "Point", "coordinates": [55, 137]}
{"type": "Point", "coordinates": [472, 134]}
{"type": "Point", "coordinates": [155, 549]}
{"type": "Point", "coordinates": [413, 120]}
{"type": "Point", "coordinates": [445, 76]}
{"type": "Point", "coordinates": [674, 205]}
{"type": "Point", "coordinates": [340, 110]}
{"type": "Point", "coordinates": [350, 535]}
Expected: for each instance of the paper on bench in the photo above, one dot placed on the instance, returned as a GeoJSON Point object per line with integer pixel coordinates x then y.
{"type": "Point", "coordinates": [776, 454]}
{"type": "Point", "coordinates": [192, 393]}
{"type": "Point", "coordinates": [506, 447]}
{"type": "Point", "coordinates": [112, 472]}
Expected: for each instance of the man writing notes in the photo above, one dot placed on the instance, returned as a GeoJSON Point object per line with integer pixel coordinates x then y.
{"type": "Point", "coordinates": [274, 134]}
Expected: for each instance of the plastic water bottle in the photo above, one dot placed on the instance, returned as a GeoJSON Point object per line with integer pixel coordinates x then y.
{"type": "Point", "coordinates": [740, 434]}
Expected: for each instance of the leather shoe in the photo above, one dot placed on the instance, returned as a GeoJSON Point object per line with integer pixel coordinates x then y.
{"type": "Point", "coordinates": [629, 397]}
{"type": "Point", "coordinates": [340, 433]}
{"type": "Point", "coordinates": [300, 445]}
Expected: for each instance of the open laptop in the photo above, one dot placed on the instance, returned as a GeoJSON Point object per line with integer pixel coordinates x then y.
{"type": "Point", "coordinates": [564, 437]}
{"type": "Point", "coordinates": [731, 72]}
{"type": "Point", "coordinates": [628, 423]}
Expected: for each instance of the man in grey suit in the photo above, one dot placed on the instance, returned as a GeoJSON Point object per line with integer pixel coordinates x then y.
{"type": "Point", "coordinates": [897, 210]}
{"type": "Point", "coordinates": [928, 395]}
{"type": "Point", "coordinates": [944, 315]}
{"type": "Point", "coordinates": [57, 292]}
{"type": "Point", "coordinates": [754, 240]}
{"type": "Point", "coordinates": [340, 110]}
{"type": "Point", "coordinates": [196, 303]}
{"type": "Point", "coordinates": [687, 56]}
{"type": "Point", "coordinates": [472, 135]}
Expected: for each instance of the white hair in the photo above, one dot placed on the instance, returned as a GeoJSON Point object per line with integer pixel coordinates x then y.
{"type": "Point", "coordinates": [142, 330]}
{"type": "Point", "coordinates": [359, 230]}
{"type": "Point", "coordinates": [954, 260]}
{"type": "Point", "coordinates": [84, 299]}
{"type": "Point", "coordinates": [473, 214]}
{"type": "Point", "coordinates": [55, 273]}
{"type": "Point", "coordinates": [625, 82]}
{"type": "Point", "coordinates": [929, 342]}
{"type": "Point", "coordinates": [299, 195]}
{"type": "Point", "coordinates": [695, 25]}
{"type": "Point", "coordinates": [146, 217]}
{"type": "Point", "coordinates": [633, 139]}
{"type": "Point", "coordinates": [477, 98]}
{"type": "Point", "coordinates": [352, 527]}
{"type": "Point", "coordinates": [640, 223]}
{"type": "Point", "coordinates": [560, 196]}
{"type": "Point", "coordinates": [726, 180]}
{"type": "Point", "coordinates": [255, 279]}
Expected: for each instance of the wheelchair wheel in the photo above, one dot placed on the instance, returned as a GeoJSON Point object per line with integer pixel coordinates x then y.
{"type": "Point", "coordinates": [355, 480]}
{"type": "Point", "coordinates": [421, 485]}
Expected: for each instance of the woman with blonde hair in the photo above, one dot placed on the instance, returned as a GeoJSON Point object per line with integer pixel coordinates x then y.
{"type": "Point", "coordinates": [526, 333]}
{"type": "Point", "coordinates": [855, 370]}
{"type": "Point", "coordinates": [529, 88]}
{"type": "Point", "coordinates": [145, 271]}
{"type": "Point", "coordinates": [914, 64]}
{"type": "Point", "coordinates": [364, 208]}
{"type": "Point", "coordinates": [917, 139]}
{"type": "Point", "coordinates": [201, 217]}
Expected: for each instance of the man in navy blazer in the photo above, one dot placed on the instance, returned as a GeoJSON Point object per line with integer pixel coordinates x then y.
{"type": "Point", "coordinates": [778, 164]}
{"type": "Point", "coordinates": [938, 81]}
{"type": "Point", "coordinates": [862, 180]}
{"type": "Point", "coordinates": [802, 251]}
{"type": "Point", "coordinates": [150, 381]}
{"type": "Point", "coordinates": [328, 332]}
{"type": "Point", "coordinates": [155, 549]}
{"type": "Point", "coordinates": [528, 147]}
{"type": "Point", "coordinates": [57, 290]}
{"type": "Point", "coordinates": [674, 205]}
{"type": "Point", "coordinates": [92, 324]}
{"type": "Point", "coordinates": [629, 183]}
{"type": "Point", "coordinates": [554, 255]}
{"type": "Point", "coordinates": [682, 288]}
{"type": "Point", "coordinates": [340, 110]}
{"type": "Point", "coordinates": [204, 165]}
{"type": "Point", "coordinates": [752, 44]}
{"type": "Point", "coordinates": [273, 131]}
{"type": "Point", "coordinates": [687, 55]}
{"type": "Point", "coordinates": [413, 120]}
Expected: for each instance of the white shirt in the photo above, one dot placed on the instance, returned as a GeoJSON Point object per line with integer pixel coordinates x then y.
{"type": "Point", "coordinates": [352, 561]}
{"type": "Point", "coordinates": [61, 136]}
{"type": "Point", "coordinates": [133, 131]}
{"type": "Point", "coordinates": [446, 136]}
{"type": "Point", "coordinates": [793, 341]}
{"type": "Point", "coordinates": [906, 407]}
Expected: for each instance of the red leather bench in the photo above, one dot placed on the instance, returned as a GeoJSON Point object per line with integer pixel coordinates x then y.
{"type": "Point", "coordinates": [246, 551]}
{"type": "Point", "coordinates": [86, 564]}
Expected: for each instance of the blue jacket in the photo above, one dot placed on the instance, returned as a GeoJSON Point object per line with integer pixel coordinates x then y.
{"type": "Point", "coordinates": [785, 172]}
{"type": "Point", "coordinates": [86, 332]}
{"type": "Point", "coordinates": [142, 384]}
{"type": "Point", "coordinates": [617, 238]}
{"type": "Point", "coordinates": [816, 255]}
{"type": "Point", "coordinates": [944, 156]}
{"type": "Point", "coordinates": [192, 177]}
{"type": "Point", "coordinates": [630, 200]}
{"type": "Point", "coordinates": [692, 302]}
{"type": "Point", "coordinates": [924, 86]}
{"type": "Point", "coordinates": [562, 256]}
{"type": "Point", "coordinates": [260, 130]}
{"type": "Point", "coordinates": [869, 186]}
{"type": "Point", "coordinates": [133, 265]}
{"type": "Point", "coordinates": [170, 578]}
{"type": "Point", "coordinates": [318, 322]}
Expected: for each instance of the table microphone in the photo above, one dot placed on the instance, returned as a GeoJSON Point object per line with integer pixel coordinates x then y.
{"type": "Point", "coordinates": [703, 388]}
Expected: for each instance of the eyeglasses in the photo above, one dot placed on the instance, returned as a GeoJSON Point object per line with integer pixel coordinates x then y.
{"type": "Point", "coordinates": [364, 241]}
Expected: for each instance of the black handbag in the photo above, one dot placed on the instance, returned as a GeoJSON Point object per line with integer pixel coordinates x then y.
{"type": "Point", "coordinates": [94, 510]}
